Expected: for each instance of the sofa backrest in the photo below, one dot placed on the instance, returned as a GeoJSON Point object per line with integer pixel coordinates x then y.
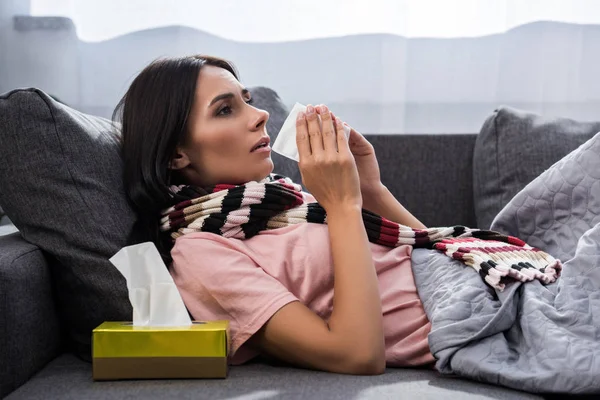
{"type": "Point", "coordinates": [431, 175]}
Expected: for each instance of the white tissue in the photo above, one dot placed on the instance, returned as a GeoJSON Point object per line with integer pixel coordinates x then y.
{"type": "Point", "coordinates": [152, 292]}
{"type": "Point", "coordinates": [285, 143]}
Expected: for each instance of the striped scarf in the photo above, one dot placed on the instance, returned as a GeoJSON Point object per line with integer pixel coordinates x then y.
{"type": "Point", "coordinates": [242, 211]}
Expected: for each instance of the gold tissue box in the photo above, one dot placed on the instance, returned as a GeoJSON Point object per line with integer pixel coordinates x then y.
{"type": "Point", "coordinates": [123, 351]}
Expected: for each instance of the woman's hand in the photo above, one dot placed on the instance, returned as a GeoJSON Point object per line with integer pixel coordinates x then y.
{"type": "Point", "coordinates": [366, 165]}
{"type": "Point", "coordinates": [326, 164]}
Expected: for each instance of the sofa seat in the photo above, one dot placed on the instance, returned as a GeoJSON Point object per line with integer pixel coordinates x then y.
{"type": "Point", "coordinates": [67, 377]}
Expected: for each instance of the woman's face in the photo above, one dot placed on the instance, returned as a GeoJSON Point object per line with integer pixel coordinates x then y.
{"type": "Point", "coordinates": [223, 132]}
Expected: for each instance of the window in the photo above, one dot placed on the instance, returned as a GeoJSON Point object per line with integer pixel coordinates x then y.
{"type": "Point", "coordinates": [386, 66]}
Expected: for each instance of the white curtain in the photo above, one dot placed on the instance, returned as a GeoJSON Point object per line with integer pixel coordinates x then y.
{"type": "Point", "coordinates": [385, 66]}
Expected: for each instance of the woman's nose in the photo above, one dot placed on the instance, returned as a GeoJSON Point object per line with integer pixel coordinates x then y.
{"type": "Point", "coordinates": [261, 118]}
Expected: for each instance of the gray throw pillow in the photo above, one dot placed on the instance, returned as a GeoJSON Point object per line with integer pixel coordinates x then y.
{"type": "Point", "coordinates": [512, 149]}
{"type": "Point", "coordinates": [64, 173]}
{"type": "Point", "coordinates": [63, 169]}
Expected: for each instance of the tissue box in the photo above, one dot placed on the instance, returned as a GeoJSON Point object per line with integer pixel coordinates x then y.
{"type": "Point", "coordinates": [123, 351]}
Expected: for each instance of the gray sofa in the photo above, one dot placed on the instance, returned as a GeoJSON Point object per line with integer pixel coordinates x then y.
{"type": "Point", "coordinates": [438, 177]}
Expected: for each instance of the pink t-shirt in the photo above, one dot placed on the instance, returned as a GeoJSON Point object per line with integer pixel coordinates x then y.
{"type": "Point", "coordinates": [247, 281]}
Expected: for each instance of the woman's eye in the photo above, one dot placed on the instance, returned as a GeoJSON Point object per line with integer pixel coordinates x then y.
{"type": "Point", "coordinates": [224, 111]}
{"type": "Point", "coordinates": [227, 109]}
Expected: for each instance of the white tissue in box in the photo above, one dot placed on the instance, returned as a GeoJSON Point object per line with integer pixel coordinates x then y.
{"type": "Point", "coordinates": [153, 295]}
{"type": "Point", "coordinates": [285, 143]}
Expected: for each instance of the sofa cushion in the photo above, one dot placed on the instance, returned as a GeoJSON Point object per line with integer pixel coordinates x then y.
{"type": "Point", "coordinates": [512, 149]}
{"type": "Point", "coordinates": [29, 327]}
{"type": "Point", "coordinates": [69, 378]}
{"type": "Point", "coordinates": [425, 175]}
{"type": "Point", "coordinates": [67, 198]}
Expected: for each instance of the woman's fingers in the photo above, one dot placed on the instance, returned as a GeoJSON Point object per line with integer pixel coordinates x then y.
{"type": "Point", "coordinates": [314, 131]}
{"type": "Point", "coordinates": [342, 141]}
{"type": "Point", "coordinates": [329, 175]}
{"type": "Point", "coordinates": [327, 129]}
{"type": "Point", "coordinates": [317, 132]}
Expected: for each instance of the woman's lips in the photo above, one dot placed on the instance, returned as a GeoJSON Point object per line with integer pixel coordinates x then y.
{"type": "Point", "coordinates": [264, 141]}
{"type": "Point", "coordinates": [264, 149]}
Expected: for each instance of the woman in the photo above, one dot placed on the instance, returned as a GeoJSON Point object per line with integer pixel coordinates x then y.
{"type": "Point", "coordinates": [320, 296]}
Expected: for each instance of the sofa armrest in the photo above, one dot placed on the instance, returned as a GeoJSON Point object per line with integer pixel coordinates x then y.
{"type": "Point", "coordinates": [29, 326]}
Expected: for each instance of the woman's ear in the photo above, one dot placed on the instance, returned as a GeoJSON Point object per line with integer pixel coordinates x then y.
{"type": "Point", "coordinates": [180, 160]}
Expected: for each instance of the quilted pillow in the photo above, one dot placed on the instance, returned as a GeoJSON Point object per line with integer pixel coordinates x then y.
{"type": "Point", "coordinates": [512, 149]}
{"type": "Point", "coordinates": [559, 206]}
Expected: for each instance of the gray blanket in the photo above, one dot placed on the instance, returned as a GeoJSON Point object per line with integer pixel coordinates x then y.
{"type": "Point", "coordinates": [543, 339]}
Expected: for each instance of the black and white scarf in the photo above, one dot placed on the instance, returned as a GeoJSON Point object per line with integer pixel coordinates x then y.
{"type": "Point", "coordinates": [242, 211]}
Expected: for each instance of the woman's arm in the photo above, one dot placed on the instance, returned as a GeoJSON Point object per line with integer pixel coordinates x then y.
{"type": "Point", "coordinates": [357, 316]}
{"type": "Point", "coordinates": [352, 340]}
{"type": "Point", "coordinates": [383, 202]}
